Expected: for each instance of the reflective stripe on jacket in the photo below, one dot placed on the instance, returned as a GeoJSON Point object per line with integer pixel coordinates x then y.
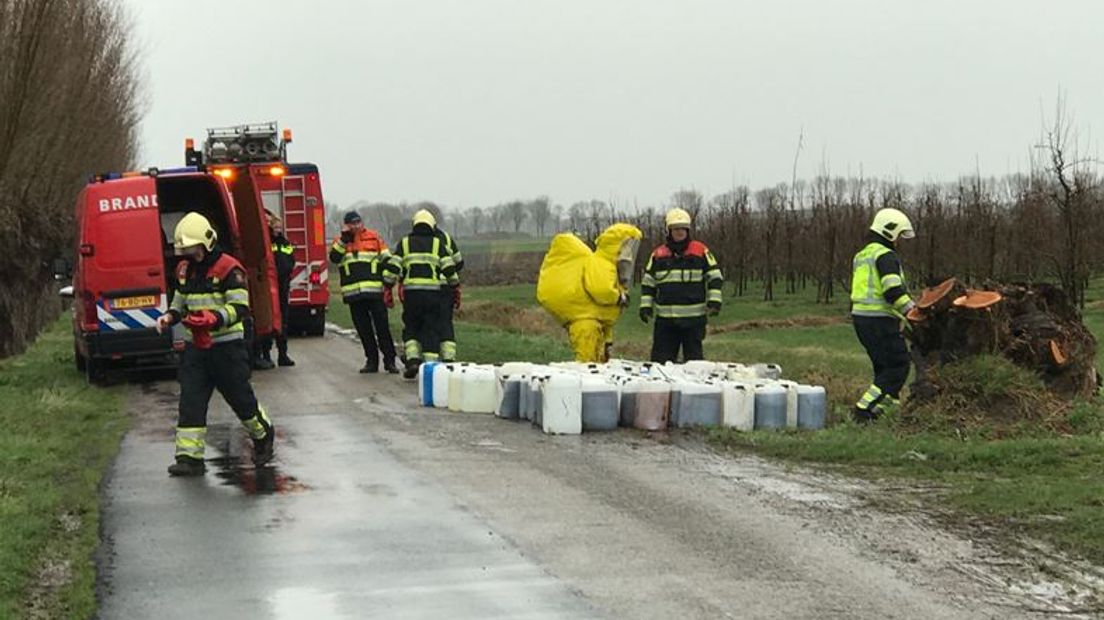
{"type": "Point", "coordinates": [869, 285]}
{"type": "Point", "coordinates": [218, 286]}
{"type": "Point", "coordinates": [681, 285]}
{"type": "Point", "coordinates": [422, 262]}
{"type": "Point", "coordinates": [361, 263]}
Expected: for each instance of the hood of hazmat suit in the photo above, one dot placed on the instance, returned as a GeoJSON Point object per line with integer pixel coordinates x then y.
{"type": "Point", "coordinates": [578, 283]}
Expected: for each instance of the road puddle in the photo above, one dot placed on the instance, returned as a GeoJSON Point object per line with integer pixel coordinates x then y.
{"type": "Point", "coordinates": [266, 480]}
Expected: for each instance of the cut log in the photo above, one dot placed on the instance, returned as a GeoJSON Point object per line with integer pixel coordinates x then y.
{"type": "Point", "coordinates": [942, 292]}
{"type": "Point", "coordinates": [977, 300]}
{"type": "Point", "coordinates": [1056, 355]}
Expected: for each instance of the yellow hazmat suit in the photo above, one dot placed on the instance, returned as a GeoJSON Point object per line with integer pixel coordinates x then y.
{"type": "Point", "coordinates": [585, 290]}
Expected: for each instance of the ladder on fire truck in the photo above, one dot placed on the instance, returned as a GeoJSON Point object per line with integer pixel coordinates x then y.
{"type": "Point", "coordinates": [293, 193]}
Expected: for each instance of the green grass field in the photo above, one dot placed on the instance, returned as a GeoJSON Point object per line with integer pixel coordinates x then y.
{"type": "Point", "coordinates": [59, 436]}
{"type": "Point", "coordinates": [1036, 483]}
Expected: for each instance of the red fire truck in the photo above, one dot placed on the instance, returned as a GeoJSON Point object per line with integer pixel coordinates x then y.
{"type": "Point", "coordinates": [252, 159]}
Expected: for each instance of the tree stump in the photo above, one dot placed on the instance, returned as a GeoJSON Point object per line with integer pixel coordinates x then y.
{"type": "Point", "coordinates": [1035, 326]}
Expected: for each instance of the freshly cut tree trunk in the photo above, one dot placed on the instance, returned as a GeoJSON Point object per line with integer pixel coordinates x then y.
{"type": "Point", "coordinates": [1035, 326]}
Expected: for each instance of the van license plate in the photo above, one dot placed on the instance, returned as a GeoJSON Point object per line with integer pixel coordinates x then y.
{"type": "Point", "coordinates": [126, 303]}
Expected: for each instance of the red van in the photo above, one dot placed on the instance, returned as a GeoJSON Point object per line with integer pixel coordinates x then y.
{"type": "Point", "coordinates": [122, 277]}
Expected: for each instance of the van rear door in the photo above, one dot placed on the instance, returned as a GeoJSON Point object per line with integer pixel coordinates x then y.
{"type": "Point", "coordinates": [122, 251]}
{"type": "Point", "coordinates": [264, 297]}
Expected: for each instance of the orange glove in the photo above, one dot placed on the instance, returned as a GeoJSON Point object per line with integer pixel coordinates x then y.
{"type": "Point", "coordinates": [388, 297]}
{"type": "Point", "coordinates": [456, 297]}
{"type": "Point", "coordinates": [402, 293]}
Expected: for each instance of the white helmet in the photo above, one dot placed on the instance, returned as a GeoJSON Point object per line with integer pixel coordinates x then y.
{"type": "Point", "coordinates": [892, 224]}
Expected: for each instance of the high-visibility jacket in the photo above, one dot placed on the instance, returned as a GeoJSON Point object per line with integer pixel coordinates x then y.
{"type": "Point", "coordinates": [218, 284]}
{"type": "Point", "coordinates": [283, 254]}
{"type": "Point", "coordinates": [361, 264]}
{"type": "Point", "coordinates": [452, 247]}
{"type": "Point", "coordinates": [878, 282]}
{"type": "Point", "coordinates": [681, 286]}
{"type": "Point", "coordinates": [422, 262]}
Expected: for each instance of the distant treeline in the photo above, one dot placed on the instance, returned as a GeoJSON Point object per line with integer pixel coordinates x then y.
{"type": "Point", "coordinates": [1047, 224]}
{"type": "Point", "coordinates": [69, 104]}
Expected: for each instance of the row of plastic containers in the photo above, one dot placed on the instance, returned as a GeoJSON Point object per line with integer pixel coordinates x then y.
{"type": "Point", "coordinates": [569, 398]}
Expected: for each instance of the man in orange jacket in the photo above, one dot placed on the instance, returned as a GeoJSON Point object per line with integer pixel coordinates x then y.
{"type": "Point", "coordinates": [362, 257]}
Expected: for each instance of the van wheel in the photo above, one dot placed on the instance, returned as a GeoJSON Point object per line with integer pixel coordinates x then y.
{"type": "Point", "coordinates": [317, 324]}
{"type": "Point", "coordinates": [94, 370]}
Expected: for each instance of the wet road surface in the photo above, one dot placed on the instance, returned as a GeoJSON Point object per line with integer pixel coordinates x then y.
{"type": "Point", "coordinates": [377, 508]}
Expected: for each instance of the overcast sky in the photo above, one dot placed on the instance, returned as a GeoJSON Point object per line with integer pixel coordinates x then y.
{"type": "Point", "coordinates": [474, 102]}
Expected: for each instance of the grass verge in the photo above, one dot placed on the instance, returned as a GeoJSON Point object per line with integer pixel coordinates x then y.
{"type": "Point", "coordinates": [58, 437]}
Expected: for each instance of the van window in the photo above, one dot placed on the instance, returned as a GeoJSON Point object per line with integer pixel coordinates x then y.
{"type": "Point", "coordinates": [178, 196]}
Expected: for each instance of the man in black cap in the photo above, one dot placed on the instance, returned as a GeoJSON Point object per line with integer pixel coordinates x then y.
{"type": "Point", "coordinates": [362, 258]}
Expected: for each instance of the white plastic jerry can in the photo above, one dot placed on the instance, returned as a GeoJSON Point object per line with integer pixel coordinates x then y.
{"type": "Point", "coordinates": [441, 374]}
{"type": "Point", "coordinates": [425, 383]}
{"type": "Point", "coordinates": [770, 406]}
{"type": "Point", "coordinates": [479, 390]}
{"type": "Point", "coordinates": [562, 404]}
{"type": "Point", "coordinates": [739, 405]}
{"type": "Point", "coordinates": [812, 406]}
{"type": "Point", "coordinates": [456, 386]}
{"type": "Point", "coordinates": [791, 402]}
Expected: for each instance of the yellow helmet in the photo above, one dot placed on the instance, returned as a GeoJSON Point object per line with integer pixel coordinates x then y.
{"type": "Point", "coordinates": [192, 230]}
{"type": "Point", "coordinates": [891, 224]}
{"type": "Point", "coordinates": [678, 218]}
{"type": "Point", "coordinates": [423, 216]}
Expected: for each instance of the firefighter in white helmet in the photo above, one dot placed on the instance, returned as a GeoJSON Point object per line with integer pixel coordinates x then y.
{"type": "Point", "coordinates": [211, 300]}
{"type": "Point", "coordinates": [879, 302]}
{"type": "Point", "coordinates": [681, 285]}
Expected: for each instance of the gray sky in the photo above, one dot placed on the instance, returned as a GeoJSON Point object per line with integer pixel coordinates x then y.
{"type": "Point", "coordinates": [480, 101]}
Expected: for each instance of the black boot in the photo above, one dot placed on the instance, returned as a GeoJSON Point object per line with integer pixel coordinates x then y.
{"type": "Point", "coordinates": [369, 368]}
{"type": "Point", "coordinates": [390, 367]}
{"type": "Point", "coordinates": [187, 466]}
{"type": "Point", "coordinates": [411, 369]}
{"type": "Point", "coordinates": [284, 360]}
{"type": "Point", "coordinates": [864, 416]}
{"type": "Point", "coordinates": [263, 362]}
{"type": "Point", "coordinates": [265, 448]}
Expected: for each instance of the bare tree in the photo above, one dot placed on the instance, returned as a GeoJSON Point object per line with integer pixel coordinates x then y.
{"type": "Point", "coordinates": [539, 210]}
{"type": "Point", "coordinates": [475, 217]}
{"type": "Point", "coordinates": [70, 102]}
{"type": "Point", "coordinates": [515, 211]}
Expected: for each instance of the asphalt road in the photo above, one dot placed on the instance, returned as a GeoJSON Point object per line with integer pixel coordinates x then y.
{"type": "Point", "coordinates": [378, 508]}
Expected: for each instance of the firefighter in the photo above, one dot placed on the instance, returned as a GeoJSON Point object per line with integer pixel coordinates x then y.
{"type": "Point", "coordinates": [879, 302]}
{"type": "Point", "coordinates": [283, 253]}
{"type": "Point", "coordinates": [423, 267]}
{"type": "Point", "coordinates": [363, 259]}
{"type": "Point", "coordinates": [681, 285]}
{"type": "Point", "coordinates": [450, 296]}
{"type": "Point", "coordinates": [211, 300]}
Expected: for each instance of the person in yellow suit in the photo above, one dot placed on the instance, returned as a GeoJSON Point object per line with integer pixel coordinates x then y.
{"type": "Point", "coordinates": [586, 290]}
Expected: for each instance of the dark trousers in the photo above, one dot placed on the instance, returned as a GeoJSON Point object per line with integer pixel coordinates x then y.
{"type": "Point", "coordinates": [370, 318]}
{"type": "Point", "coordinates": [448, 333]}
{"type": "Point", "coordinates": [224, 367]}
{"type": "Point", "coordinates": [882, 339]}
{"type": "Point", "coordinates": [280, 336]}
{"type": "Point", "coordinates": [671, 334]}
{"type": "Point", "coordinates": [422, 322]}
